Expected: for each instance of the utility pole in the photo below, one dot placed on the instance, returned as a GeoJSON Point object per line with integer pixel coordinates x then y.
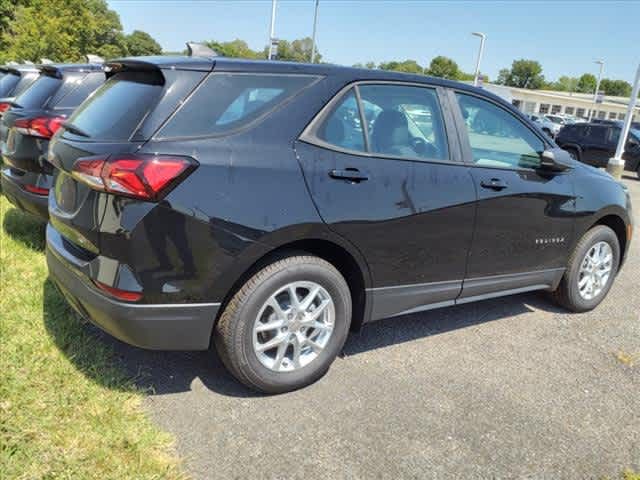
{"type": "Point", "coordinates": [595, 94]}
{"type": "Point", "coordinates": [616, 164]}
{"type": "Point", "coordinates": [313, 37]}
{"type": "Point", "coordinates": [273, 28]}
{"type": "Point", "coordinates": [480, 52]}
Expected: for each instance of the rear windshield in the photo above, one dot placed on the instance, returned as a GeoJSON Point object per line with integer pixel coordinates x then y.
{"type": "Point", "coordinates": [7, 82]}
{"type": "Point", "coordinates": [117, 108]}
{"type": "Point", "coordinates": [39, 93]}
{"type": "Point", "coordinates": [227, 101]}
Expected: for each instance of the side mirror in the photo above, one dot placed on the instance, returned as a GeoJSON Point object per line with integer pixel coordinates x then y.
{"type": "Point", "coordinates": [550, 161]}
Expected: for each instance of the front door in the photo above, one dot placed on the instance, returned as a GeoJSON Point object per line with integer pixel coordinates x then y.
{"type": "Point", "coordinates": [524, 225]}
{"type": "Point", "coordinates": [380, 171]}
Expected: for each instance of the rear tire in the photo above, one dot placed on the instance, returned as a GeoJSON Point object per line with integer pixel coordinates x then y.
{"type": "Point", "coordinates": [573, 153]}
{"type": "Point", "coordinates": [574, 291]}
{"type": "Point", "coordinates": [263, 312]}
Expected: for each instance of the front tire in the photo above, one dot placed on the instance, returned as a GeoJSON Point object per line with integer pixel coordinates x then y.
{"type": "Point", "coordinates": [590, 271]}
{"type": "Point", "coordinates": [285, 326]}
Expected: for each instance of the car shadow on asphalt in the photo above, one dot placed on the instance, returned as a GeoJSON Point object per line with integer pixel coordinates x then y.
{"type": "Point", "coordinates": [162, 372]}
{"type": "Point", "coordinates": [24, 228]}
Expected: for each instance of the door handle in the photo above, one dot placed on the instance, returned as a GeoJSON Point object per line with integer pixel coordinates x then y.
{"type": "Point", "coordinates": [350, 174]}
{"type": "Point", "coordinates": [494, 184]}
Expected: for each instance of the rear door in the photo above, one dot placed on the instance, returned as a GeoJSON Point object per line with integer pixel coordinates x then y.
{"type": "Point", "coordinates": [596, 149]}
{"type": "Point", "coordinates": [381, 164]}
{"type": "Point", "coordinates": [524, 223]}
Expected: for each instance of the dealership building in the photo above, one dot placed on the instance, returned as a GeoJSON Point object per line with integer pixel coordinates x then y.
{"type": "Point", "coordinates": [576, 104]}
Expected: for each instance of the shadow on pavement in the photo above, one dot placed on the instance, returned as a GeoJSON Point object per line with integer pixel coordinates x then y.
{"type": "Point", "coordinates": [24, 228]}
{"type": "Point", "coordinates": [160, 373]}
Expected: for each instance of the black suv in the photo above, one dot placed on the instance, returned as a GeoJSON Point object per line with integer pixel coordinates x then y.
{"type": "Point", "coordinates": [596, 143]}
{"type": "Point", "coordinates": [26, 127]}
{"type": "Point", "coordinates": [271, 207]}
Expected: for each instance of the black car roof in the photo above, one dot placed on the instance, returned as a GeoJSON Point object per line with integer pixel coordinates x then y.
{"type": "Point", "coordinates": [324, 69]}
{"type": "Point", "coordinates": [58, 70]}
{"type": "Point", "coordinates": [18, 69]}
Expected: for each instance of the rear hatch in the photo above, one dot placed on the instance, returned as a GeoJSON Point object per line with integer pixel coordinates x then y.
{"type": "Point", "coordinates": [115, 123]}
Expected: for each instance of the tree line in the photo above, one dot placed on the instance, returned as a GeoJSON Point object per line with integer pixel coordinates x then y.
{"type": "Point", "coordinates": [66, 31]}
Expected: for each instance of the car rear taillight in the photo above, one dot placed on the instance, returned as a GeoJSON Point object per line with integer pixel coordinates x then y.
{"type": "Point", "coordinates": [145, 177]}
{"type": "Point", "coordinates": [43, 127]}
{"type": "Point", "coordinates": [125, 295]}
{"type": "Point", "coordinates": [4, 107]}
{"type": "Point", "coordinates": [37, 190]}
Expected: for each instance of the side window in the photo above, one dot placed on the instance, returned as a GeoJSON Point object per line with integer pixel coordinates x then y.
{"type": "Point", "coordinates": [342, 128]}
{"type": "Point", "coordinates": [82, 90]}
{"type": "Point", "coordinates": [404, 121]}
{"type": "Point", "coordinates": [228, 101]}
{"type": "Point", "coordinates": [614, 135]}
{"type": "Point", "coordinates": [597, 134]}
{"type": "Point", "coordinates": [497, 138]}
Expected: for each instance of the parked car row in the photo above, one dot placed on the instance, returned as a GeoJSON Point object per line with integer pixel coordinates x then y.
{"type": "Point", "coordinates": [269, 208]}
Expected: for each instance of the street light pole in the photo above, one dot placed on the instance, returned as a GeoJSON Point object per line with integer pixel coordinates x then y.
{"type": "Point", "coordinates": [313, 38]}
{"type": "Point", "coordinates": [595, 95]}
{"type": "Point", "coordinates": [482, 39]}
{"type": "Point", "coordinates": [273, 28]}
{"type": "Point", "coordinates": [616, 164]}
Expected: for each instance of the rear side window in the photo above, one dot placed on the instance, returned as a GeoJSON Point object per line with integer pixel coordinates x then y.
{"type": "Point", "coordinates": [225, 102]}
{"type": "Point", "coordinates": [39, 93]}
{"type": "Point", "coordinates": [343, 127]}
{"type": "Point", "coordinates": [26, 80]}
{"type": "Point", "coordinates": [117, 108]}
{"type": "Point", "coordinates": [7, 83]}
{"type": "Point", "coordinates": [81, 90]}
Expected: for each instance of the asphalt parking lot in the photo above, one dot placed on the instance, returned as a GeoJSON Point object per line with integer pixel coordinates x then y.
{"type": "Point", "coordinates": [506, 388]}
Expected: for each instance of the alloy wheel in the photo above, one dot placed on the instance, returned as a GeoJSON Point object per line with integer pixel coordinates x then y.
{"type": "Point", "coordinates": [595, 270]}
{"type": "Point", "coordinates": [293, 326]}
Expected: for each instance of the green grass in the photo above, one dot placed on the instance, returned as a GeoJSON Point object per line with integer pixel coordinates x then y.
{"type": "Point", "coordinates": [66, 412]}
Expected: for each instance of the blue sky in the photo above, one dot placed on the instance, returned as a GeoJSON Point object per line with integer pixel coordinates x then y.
{"type": "Point", "coordinates": [566, 37]}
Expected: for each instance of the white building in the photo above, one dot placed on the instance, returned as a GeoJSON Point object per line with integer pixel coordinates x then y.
{"type": "Point", "coordinates": [576, 104]}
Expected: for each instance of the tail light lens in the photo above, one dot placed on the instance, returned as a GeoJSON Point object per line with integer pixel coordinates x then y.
{"type": "Point", "coordinates": [43, 127]}
{"type": "Point", "coordinates": [145, 177]}
{"type": "Point", "coordinates": [125, 295]}
{"type": "Point", "coordinates": [37, 190]}
{"type": "Point", "coordinates": [4, 107]}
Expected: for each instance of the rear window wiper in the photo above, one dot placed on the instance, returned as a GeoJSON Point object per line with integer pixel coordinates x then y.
{"type": "Point", "coordinates": [73, 129]}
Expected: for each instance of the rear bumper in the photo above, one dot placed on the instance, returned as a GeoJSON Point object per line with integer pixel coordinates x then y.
{"type": "Point", "coordinates": [156, 327]}
{"type": "Point", "coordinates": [12, 187]}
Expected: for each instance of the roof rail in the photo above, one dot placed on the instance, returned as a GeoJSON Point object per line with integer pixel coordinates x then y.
{"type": "Point", "coordinates": [199, 50]}
{"type": "Point", "coordinates": [94, 58]}
{"type": "Point", "coordinates": [45, 61]}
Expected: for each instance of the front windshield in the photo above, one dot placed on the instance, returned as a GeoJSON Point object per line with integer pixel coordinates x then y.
{"type": "Point", "coordinates": [636, 134]}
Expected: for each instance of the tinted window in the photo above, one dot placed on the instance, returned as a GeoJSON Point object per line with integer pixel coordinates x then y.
{"type": "Point", "coordinates": [81, 90]}
{"type": "Point", "coordinates": [7, 83]}
{"type": "Point", "coordinates": [342, 127]}
{"type": "Point", "coordinates": [597, 134]}
{"type": "Point", "coordinates": [39, 93]}
{"type": "Point", "coordinates": [117, 108]}
{"type": "Point", "coordinates": [614, 135]}
{"type": "Point", "coordinates": [227, 101]}
{"type": "Point", "coordinates": [497, 138]}
{"type": "Point", "coordinates": [26, 80]}
{"type": "Point", "coordinates": [404, 121]}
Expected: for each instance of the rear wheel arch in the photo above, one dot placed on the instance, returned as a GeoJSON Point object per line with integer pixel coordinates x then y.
{"type": "Point", "coordinates": [353, 269]}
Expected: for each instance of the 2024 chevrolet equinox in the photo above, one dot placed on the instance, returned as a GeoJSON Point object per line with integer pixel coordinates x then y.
{"type": "Point", "coordinates": [270, 208]}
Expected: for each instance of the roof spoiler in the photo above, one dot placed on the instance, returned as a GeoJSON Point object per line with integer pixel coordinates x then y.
{"type": "Point", "coordinates": [94, 58]}
{"type": "Point", "coordinates": [200, 50]}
